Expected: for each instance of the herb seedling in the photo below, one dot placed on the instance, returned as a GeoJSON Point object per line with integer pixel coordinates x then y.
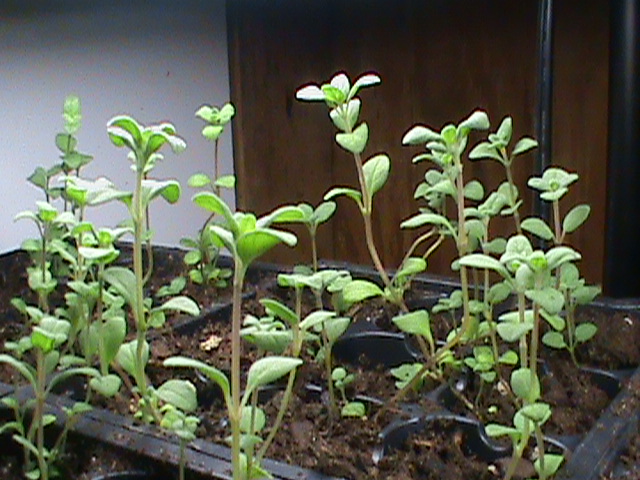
{"type": "Point", "coordinates": [247, 238]}
{"type": "Point", "coordinates": [45, 343]}
{"type": "Point", "coordinates": [204, 252]}
{"type": "Point", "coordinates": [341, 379]}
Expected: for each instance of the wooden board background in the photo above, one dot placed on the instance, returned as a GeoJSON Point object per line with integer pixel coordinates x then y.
{"type": "Point", "coordinates": [438, 61]}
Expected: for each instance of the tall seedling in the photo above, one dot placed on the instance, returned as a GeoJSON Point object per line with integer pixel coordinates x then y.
{"type": "Point", "coordinates": [247, 238]}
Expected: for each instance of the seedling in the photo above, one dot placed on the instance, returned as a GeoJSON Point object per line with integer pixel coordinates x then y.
{"type": "Point", "coordinates": [203, 256]}
{"type": "Point", "coordinates": [341, 379]}
{"type": "Point", "coordinates": [247, 238]}
{"type": "Point", "coordinates": [45, 343]}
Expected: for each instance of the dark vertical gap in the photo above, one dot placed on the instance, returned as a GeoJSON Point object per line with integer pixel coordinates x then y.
{"type": "Point", "coordinates": [622, 261]}
{"type": "Point", "coordinates": [545, 99]}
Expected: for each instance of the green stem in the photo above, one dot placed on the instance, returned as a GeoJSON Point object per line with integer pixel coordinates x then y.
{"type": "Point", "coordinates": [236, 351]}
{"type": "Point", "coordinates": [39, 413]}
{"type": "Point", "coordinates": [540, 444]}
{"type": "Point", "coordinates": [523, 339]}
{"type": "Point", "coordinates": [512, 201]}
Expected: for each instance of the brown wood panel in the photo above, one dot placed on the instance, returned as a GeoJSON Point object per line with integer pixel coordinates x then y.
{"type": "Point", "coordinates": [580, 118]}
{"type": "Point", "coordinates": [438, 61]}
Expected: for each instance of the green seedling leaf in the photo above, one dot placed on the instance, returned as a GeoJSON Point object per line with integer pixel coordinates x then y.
{"type": "Point", "coordinates": [575, 218]}
{"type": "Point", "coordinates": [552, 463]}
{"type": "Point", "coordinates": [49, 333]}
{"type": "Point", "coordinates": [536, 412]}
{"type": "Point", "coordinates": [415, 323]}
{"type": "Point", "coordinates": [212, 203]}
{"type": "Point", "coordinates": [484, 150]}
{"type": "Point", "coordinates": [269, 369]}
{"type": "Point", "coordinates": [474, 191]}
{"type": "Point", "coordinates": [376, 171]}
{"type": "Point", "coordinates": [126, 356]}
{"type": "Point", "coordinates": [585, 332]}
{"type": "Point", "coordinates": [181, 304]}
{"type": "Point", "coordinates": [538, 227]}
{"type": "Point", "coordinates": [428, 219]}
{"type": "Point", "coordinates": [524, 145]}
{"type": "Point", "coordinates": [324, 212]}
{"type": "Point", "coordinates": [335, 327]}
{"type": "Point", "coordinates": [508, 358]}
{"type": "Point", "coordinates": [495, 430]}
{"type": "Point", "coordinates": [107, 385]}
{"type": "Point", "coordinates": [554, 340]}
{"type": "Point", "coordinates": [365, 80]}
{"type": "Point", "coordinates": [511, 332]}
{"type": "Point", "coordinates": [176, 285]}
{"type": "Point", "coordinates": [310, 93]}
{"type": "Point", "coordinates": [211, 372]}
{"type": "Point", "coordinates": [478, 120]}
{"type": "Point", "coordinates": [354, 409]}
{"type": "Point", "coordinates": [353, 194]}
{"type": "Point", "coordinates": [412, 266]}
{"type": "Point", "coordinates": [420, 135]}
{"type": "Point", "coordinates": [179, 393]}
{"type": "Point", "coordinates": [198, 180]}
{"type": "Point", "coordinates": [319, 317]}
{"type": "Point", "coordinates": [359, 290]}
{"type": "Point", "coordinates": [284, 214]}
{"type": "Point", "coordinates": [556, 321]}
{"type": "Point", "coordinates": [560, 255]}
{"type": "Point", "coordinates": [258, 416]}
{"type": "Point", "coordinates": [356, 141]}
{"type": "Point", "coordinates": [585, 294]}
{"type": "Point", "coordinates": [123, 282]}
{"type": "Point", "coordinates": [226, 181]}
{"type": "Point", "coordinates": [279, 310]}
{"type": "Point", "coordinates": [551, 300]}
{"type": "Point", "coordinates": [498, 293]}
{"type": "Point", "coordinates": [252, 245]}
{"type": "Point", "coordinates": [525, 384]}
{"type": "Point", "coordinates": [481, 261]}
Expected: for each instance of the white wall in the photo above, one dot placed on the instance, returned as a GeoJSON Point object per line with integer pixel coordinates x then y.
{"type": "Point", "coordinates": [155, 60]}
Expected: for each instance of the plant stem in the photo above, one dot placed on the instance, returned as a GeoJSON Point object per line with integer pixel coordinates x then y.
{"type": "Point", "coordinates": [523, 339]}
{"type": "Point", "coordinates": [39, 413]}
{"type": "Point", "coordinates": [236, 350]}
{"type": "Point", "coordinates": [512, 201]}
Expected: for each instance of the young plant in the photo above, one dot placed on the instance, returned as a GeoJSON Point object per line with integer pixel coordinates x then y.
{"type": "Point", "coordinates": [314, 217]}
{"type": "Point", "coordinates": [340, 97]}
{"type": "Point", "coordinates": [203, 256]}
{"type": "Point", "coordinates": [341, 379]}
{"type": "Point", "coordinates": [144, 144]}
{"type": "Point", "coordinates": [247, 238]}
{"type": "Point", "coordinates": [45, 344]}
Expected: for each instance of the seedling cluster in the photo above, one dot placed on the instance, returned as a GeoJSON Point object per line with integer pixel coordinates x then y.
{"type": "Point", "coordinates": [100, 327]}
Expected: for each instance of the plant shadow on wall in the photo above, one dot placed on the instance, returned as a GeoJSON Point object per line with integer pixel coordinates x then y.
{"type": "Point", "coordinates": [515, 310]}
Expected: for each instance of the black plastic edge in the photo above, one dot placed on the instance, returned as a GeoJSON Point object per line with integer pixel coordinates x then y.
{"type": "Point", "coordinates": [596, 454]}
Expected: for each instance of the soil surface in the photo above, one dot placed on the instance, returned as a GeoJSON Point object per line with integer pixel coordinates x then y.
{"type": "Point", "coordinates": [313, 438]}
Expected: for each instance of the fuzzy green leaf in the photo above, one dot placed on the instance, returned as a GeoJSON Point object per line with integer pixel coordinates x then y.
{"type": "Point", "coordinates": [525, 384]}
{"type": "Point", "coordinates": [356, 141]}
{"type": "Point", "coordinates": [585, 332]}
{"type": "Point", "coordinates": [575, 218]}
{"type": "Point", "coordinates": [179, 393]}
{"type": "Point", "coordinates": [376, 172]}
{"type": "Point", "coordinates": [538, 227]}
{"type": "Point", "coordinates": [211, 372]}
{"type": "Point", "coordinates": [359, 290]}
{"type": "Point", "coordinates": [269, 369]}
{"type": "Point", "coordinates": [415, 323]}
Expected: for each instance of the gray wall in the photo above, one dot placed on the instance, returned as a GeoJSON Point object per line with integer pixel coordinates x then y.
{"type": "Point", "coordinates": [156, 61]}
